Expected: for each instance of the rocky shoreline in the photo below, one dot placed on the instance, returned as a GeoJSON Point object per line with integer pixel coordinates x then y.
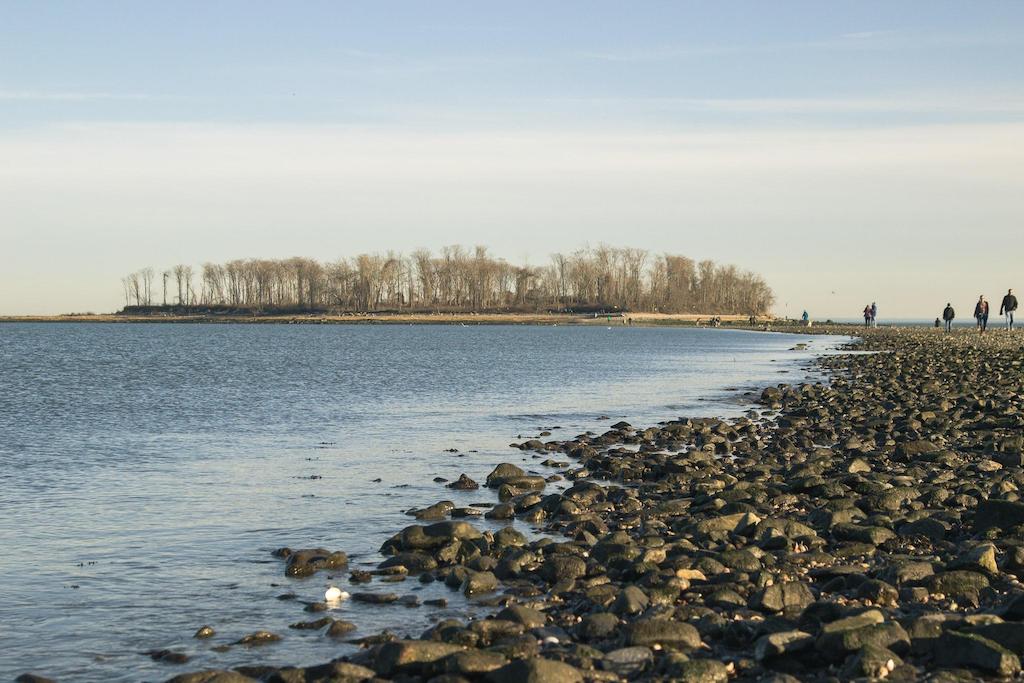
{"type": "Point", "coordinates": [868, 528]}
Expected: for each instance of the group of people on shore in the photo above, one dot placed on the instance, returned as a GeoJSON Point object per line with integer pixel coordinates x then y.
{"type": "Point", "coordinates": [981, 310]}
{"type": "Point", "coordinates": [871, 315]}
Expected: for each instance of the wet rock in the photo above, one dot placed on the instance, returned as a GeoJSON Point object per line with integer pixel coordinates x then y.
{"type": "Point", "coordinates": [375, 598]}
{"type": "Point", "coordinates": [438, 510]}
{"type": "Point", "coordinates": [204, 632]}
{"type": "Point", "coordinates": [212, 676]}
{"type": "Point", "coordinates": [474, 663]}
{"type": "Point", "coordinates": [339, 628]}
{"type": "Point", "coordinates": [478, 583]}
{"type": "Point", "coordinates": [410, 656]}
{"type": "Point", "coordinates": [501, 473]}
{"type": "Point", "coordinates": [168, 656]}
{"type": "Point", "coordinates": [258, 638]}
{"type": "Point", "coordinates": [415, 562]}
{"type": "Point", "coordinates": [528, 617]}
{"type": "Point", "coordinates": [463, 483]}
{"type": "Point", "coordinates": [332, 672]}
{"type": "Point", "coordinates": [311, 560]}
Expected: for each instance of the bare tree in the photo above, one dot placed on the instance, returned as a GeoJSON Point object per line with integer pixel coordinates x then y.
{"type": "Point", "coordinates": [461, 280]}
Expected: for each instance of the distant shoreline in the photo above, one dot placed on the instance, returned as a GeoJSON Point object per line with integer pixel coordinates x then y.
{"type": "Point", "coordinates": [620, 319]}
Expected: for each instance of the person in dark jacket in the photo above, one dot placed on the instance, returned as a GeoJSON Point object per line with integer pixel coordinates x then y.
{"type": "Point", "coordinates": [948, 314]}
{"type": "Point", "coordinates": [1007, 308]}
{"type": "Point", "coordinates": [981, 314]}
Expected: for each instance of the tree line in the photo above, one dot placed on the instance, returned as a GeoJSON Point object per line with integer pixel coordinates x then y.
{"type": "Point", "coordinates": [457, 280]}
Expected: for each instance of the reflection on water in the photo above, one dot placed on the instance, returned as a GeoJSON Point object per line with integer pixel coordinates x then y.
{"type": "Point", "coordinates": [148, 471]}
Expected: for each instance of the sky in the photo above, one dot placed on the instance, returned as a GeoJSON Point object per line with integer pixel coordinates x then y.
{"type": "Point", "coordinates": [849, 151]}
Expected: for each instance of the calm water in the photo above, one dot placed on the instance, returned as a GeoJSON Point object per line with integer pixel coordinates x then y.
{"type": "Point", "coordinates": [147, 471]}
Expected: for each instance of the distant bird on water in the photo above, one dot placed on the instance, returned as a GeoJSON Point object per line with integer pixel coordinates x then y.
{"type": "Point", "coordinates": [335, 594]}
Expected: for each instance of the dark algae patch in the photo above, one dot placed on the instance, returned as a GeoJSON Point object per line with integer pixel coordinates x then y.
{"type": "Point", "coordinates": [871, 527]}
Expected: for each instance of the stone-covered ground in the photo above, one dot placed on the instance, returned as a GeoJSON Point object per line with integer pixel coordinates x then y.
{"type": "Point", "coordinates": [871, 528]}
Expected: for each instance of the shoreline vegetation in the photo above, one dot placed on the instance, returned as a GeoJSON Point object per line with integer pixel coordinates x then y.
{"type": "Point", "coordinates": [174, 315]}
{"type": "Point", "coordinates": [867, 528]}
{"type": "Point", "coordinates": [458, 280]}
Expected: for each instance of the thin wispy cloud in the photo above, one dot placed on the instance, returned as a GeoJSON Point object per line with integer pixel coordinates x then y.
{"type": "Point", "coordinates": [69, 96]}
{"type": "Point", "coordinates": [873, 40]}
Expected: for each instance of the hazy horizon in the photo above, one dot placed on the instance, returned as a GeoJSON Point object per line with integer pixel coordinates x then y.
{"type": "Point", "coordinates": [847, 152]}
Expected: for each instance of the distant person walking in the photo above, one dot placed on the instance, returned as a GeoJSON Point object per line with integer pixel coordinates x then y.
{"type": "Point", "coordinates": [867, 316]}
{"type": "Point", "coordinates": [874, 314]}
{"type": "Point", "coordinates": [806, 318]}
{"type": "Point", "coordinates": [948, 314]}
{"type": "Point", "coordinates": [1007, 308]}
{"type": "Point", "coordinates": [981, 314]}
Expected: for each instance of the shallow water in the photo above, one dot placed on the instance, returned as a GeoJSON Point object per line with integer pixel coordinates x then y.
{"type": "Point", "coordinates": [147, 471]}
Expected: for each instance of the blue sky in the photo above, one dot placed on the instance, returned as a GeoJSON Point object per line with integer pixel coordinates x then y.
{"type": "Point", "coordinates": [871, 149]}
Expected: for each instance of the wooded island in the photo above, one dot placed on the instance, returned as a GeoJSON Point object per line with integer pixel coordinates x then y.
{"type": "Point", "coordinates": [458, 280]}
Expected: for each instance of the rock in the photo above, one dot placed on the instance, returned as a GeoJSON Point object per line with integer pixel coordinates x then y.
{"type": "Point", "coordinates": [212, 676]}
{"type": "Point", "coordinates": [957, 583]}
{"type": "Point", "coordinates": [474, 663]}
{"type": "Point", "coordinates": [979, 558]}
{"type": "Point", "coordinates": [258, 638]}
{"type": "Point", "coordinates": [1008, 634]}
{"type": "Point", "coordinates": [700, 671]}
{"type": "Point", "coordinates": [1001, 514]}
{"type": "Point", "coordinates": [375, 598]}
{"type": "Point", "coordinates": [463, 483]}
{"type": "Point", "coordinates": [204, 632]}
{"type": "Point", "coordinates": [914, 449]}
{"type": "Point", "coordinates": [872, 662]}
{"type": "Point", "coordinates": [628, 662]}
{"type": "Point", "coordinates": [477, 583]}
{"type": "Point", "coordinates": [781, 643]}
{"type": "Point", "coordinates": [597, 626]}
{"type": "Point", "coordinates": [527, 616]}
{"type": "Point", "coordinates": [874, 535]}
{"type": "Point", "coordinates": [410, 656]}
{"type": "Point", "coordinates": [732, 524]}
{"type": "Point", "coordinates": [331, 672]}
{"type": "Point", "coordinates": [168, 656]}
{"type": "Point", "coordinates": [786, 596]}
{"type": "Point", "coordinates": [340, 628]}
{"type": "Point", "coordinates": [535, 670]}
{"type": "Point", "coordinates": [311, 560]}
{"type": "Point", "coordinates": [502, 472]}
{"type": "Point", "coordinates": [416, 562]}
{"type": "Point", "coordinates": [674, 634]}
{"type": "Point", "coordinates": [631, 600]}
{"type": "Point", "coordinates": [32, 678]}
{"type": "Point", "coordinates": [972, 650]}
{"type": "Point", "coordinates": [928, 527]}
{"type": "Point", "coordinates": [838, 644]}
{"type": "Point", "coordinates": [560, 567]}
{"type": "Point", "coordinates": [438, 510]}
